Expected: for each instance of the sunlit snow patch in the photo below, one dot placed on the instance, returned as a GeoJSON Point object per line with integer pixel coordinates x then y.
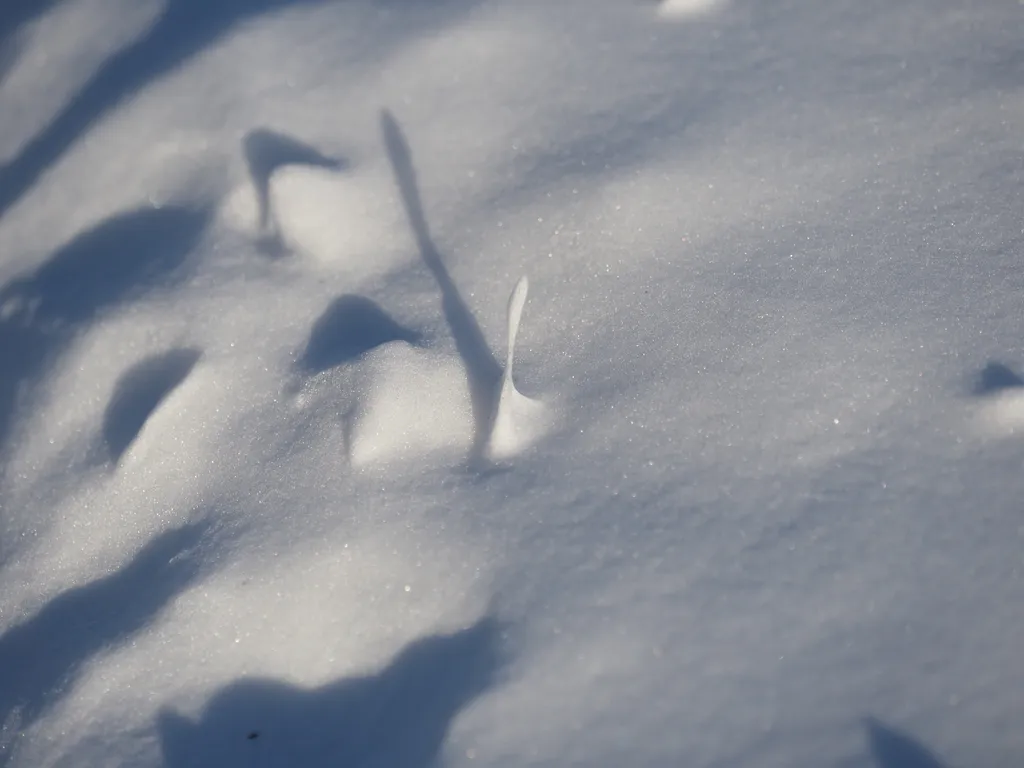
{"type": "Point", "coordinates": [677, 8]}
{"type": "Point", "coordinates": [413, 402]}
{"type": "Point", "coordinates": [329, 218]}
{"type": "Point", "coordinates": [1003, 414]}
{"type": "Point", "coordinates": [518, 421]}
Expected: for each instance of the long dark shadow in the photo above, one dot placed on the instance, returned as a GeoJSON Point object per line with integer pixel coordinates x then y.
{"type": "Point", "coordinates": [482, 370]}
{"type": "Point", "coordinates": [41, 658]}
{"type": "Point", "coordinates": [397, 717]}
{"type": "Point", "coordinates": [184, 29]}
{"type": "Point", "coordinates": [893, 749]}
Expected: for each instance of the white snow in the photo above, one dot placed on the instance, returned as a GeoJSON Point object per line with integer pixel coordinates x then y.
{"type": "Point", "coordinates": [672, 8]}
{"type": "Point", "coordinates": [271, 492]}
{"type": "Point", "coordinates": [518, 420]}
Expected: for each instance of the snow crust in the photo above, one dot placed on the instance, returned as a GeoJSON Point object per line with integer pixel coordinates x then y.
{"type": "Point", "coordinates": [287, 477]}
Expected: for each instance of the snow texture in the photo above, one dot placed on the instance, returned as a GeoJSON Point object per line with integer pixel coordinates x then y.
{"type": "Point", "coordinates": [273, 493]}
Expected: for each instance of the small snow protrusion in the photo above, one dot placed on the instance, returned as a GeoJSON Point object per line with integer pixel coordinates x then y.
{"type": "Point", "coordinates": [518, 420]}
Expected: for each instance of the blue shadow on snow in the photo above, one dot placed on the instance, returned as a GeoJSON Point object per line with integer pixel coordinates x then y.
{"type": "Point", "coordinates": [265, 152]}
{"type": "Point", "coordinates": [114, 262]}
{"type": "Point", "coordinates": [41, 657]}
{"type": "Point", "coordinates": [350, 327]}
{"type": "Point", "coordinates": [996, 377]}
{"type": "Point", "coordinates": [483, 372]}
{"type": "Point", "coordinates": [14, 14]}
{"type": "Point", "coordinates": [396, 717]}
{"type": "Point", "coordinates": [893, 749]}
{"type": "Point", "coordinates": [139, 392]}
{"type": "Point", "coordinates": [185, 28]}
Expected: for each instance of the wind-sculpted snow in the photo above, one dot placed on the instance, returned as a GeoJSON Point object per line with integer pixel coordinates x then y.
{"type": "Point", "coordinates": [139, 391]}
{"type": "Point", "coordinates": [116, 261]}
{"type": "Point", "coordinates": [597, 382]}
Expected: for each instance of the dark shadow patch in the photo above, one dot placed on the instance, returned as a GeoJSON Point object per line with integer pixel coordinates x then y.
{"type": "Point", "coordinates": [397, 717]}
{"type": "Point", "coordinates": [10, 49]}
{"type": "Point", "coordinates": [265, 152]}
{"type": "Point", "coordinates": [138, 393]}
{"type": "Point", "coordinates": [103, 265]}
{"type": "Point", "coordinates": [116, 261]}
{"type": "Point", "coordinates": [996, 377]}
{"type": "Point", "coordinates": [350, 326]}
{"type": "Point", "coordinates": [15, 14]}
{"type": "Point", "coordinates": [482, 370]}
{"type": "Point", "coordinates": [892, 749]}
{"type": "Point", "coordinates": [41, 658]}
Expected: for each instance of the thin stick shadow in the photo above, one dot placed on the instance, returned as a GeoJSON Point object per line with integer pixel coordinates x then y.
{"type": "Point", "coordinates": [483, 372]}
{"type": "Point", "coordinates": [265, 152]}
{"type": "Point", "coordinates": [892, 749]}
{"type": "Point", "coordinates": [139, 392]}
{"type": "Point", "coordinates": [996, 377]}
{"type": "Point", "coordinates": [42, 657]}
{"type": "Point", "coordinates": [397, 717]}
{"type": "Point", "coordinates": [122, 257]}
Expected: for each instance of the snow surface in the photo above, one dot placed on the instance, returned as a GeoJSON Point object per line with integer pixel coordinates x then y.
{"type": "Point", "coordinates": [261, 505]}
